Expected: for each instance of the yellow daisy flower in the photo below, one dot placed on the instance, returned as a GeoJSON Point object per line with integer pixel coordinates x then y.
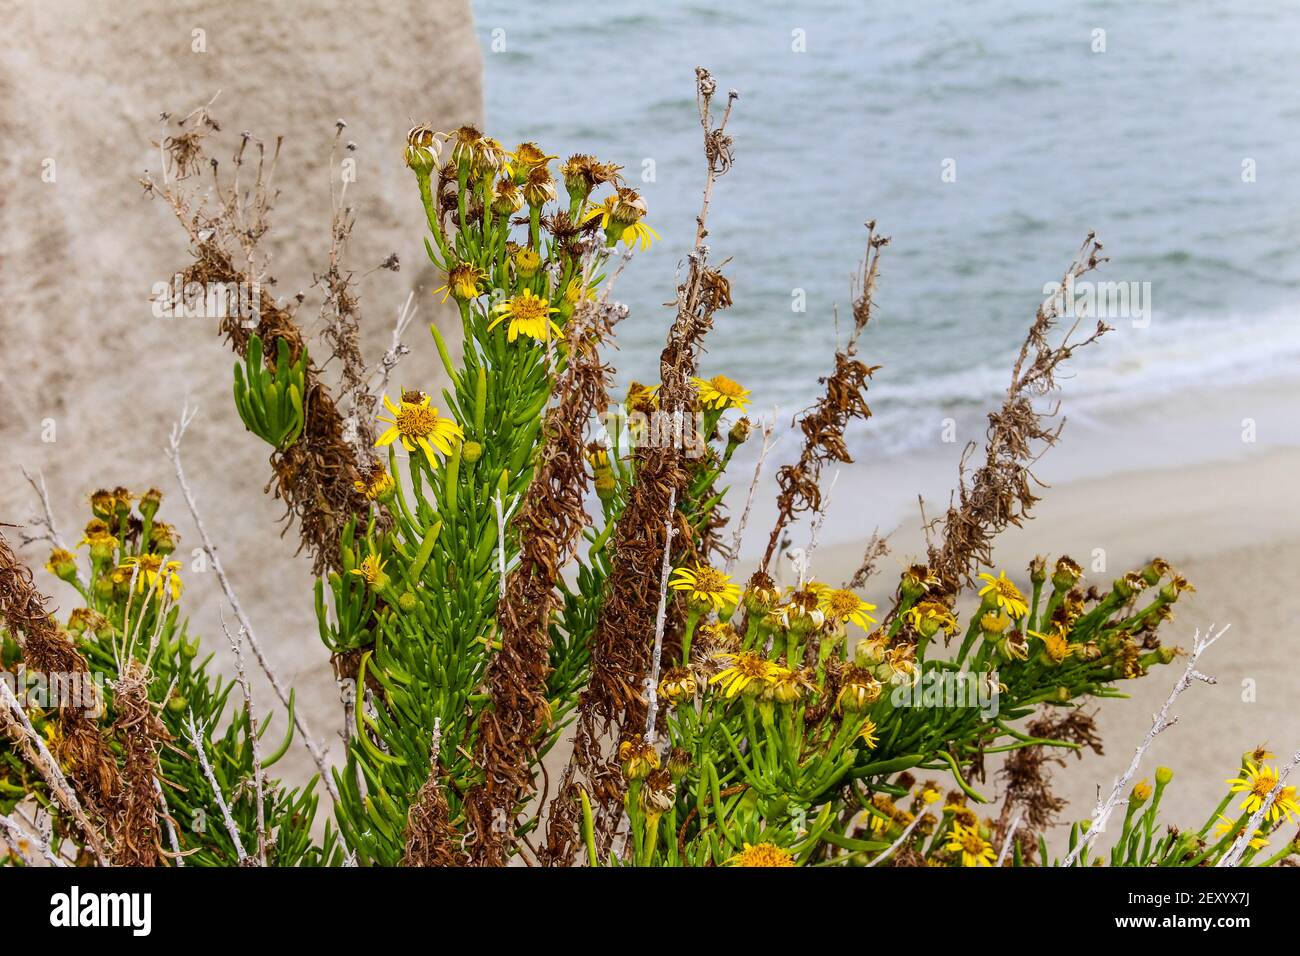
{"type": "Point", "coordinates": [1004, 594]}
{"type": "Point", "coordinates": [843, 605]}
{"type": "Point", "coordinates": [462, 282]}
{"type": "Point", "coordinates": [377, 484]}
{"type": "Point", "coordinates": [620, 217]}
{"type": "Point", "coordinates": [762, 854]}
{"type": "Point", "coordinates": [419, 425]}
{"type": "Point", "coordinates": [1056, 645]}
{"type": "Point", "coordinates": [1256, 783]}
{"type": "Point", "coordinates": [931, 617]}
{"type": "Point", "coordinates": [1257, 842]}
{"type": "Point", "coordinates": [721, 392]}
{"type": "Point", "coordinates": [529, 315]}
{"type": "Point", "coordinates": [372, 569]}
{"type": "Point", "coordinates": [867, 733]}
{"type": "Point", "coordinates": [707, 586]}
{"type": "Point", "coordinates": [152, 569]}
{"type": "Point", "coordinates": [746, 674]}
{"type": "Point", "coordinates": [974, 849]}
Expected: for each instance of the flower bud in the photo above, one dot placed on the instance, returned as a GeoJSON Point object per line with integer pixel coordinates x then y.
{"type": "Point", "coordinates": [149, 502]}
{"type": "Point", "coordinates": [471, 452]}
{"type": "Point", "coordinates": [407, 601]}
{"type": "Point", "coordinates": [1037, 569]}
{"type": "Point", "coordinates": [163, 537]}
{"type": "Point", "coordinates": [62, 564]}
{"type": "Point", "coordinates": [1163, 776]}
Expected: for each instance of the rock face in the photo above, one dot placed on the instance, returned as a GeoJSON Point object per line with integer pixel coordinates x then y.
{"type": "Point", "coordinates": [90, 379]}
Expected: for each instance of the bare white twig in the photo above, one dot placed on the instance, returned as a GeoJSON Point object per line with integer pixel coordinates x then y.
{"type": "Point", "coordinates": [379, 377]}
{"type": "Point", "coordinates": [51, 532]}
{"type": "Point", "coordinates": [259, 775]}
{"type": "Point", "coordinates": [196, 740]}
{"type": "Point", "coordinates": [16, 836]}
{"type": "Point", "coordinates": [818, 520]}
{"type": "Point", "coordinates": [1238, 848]}
{"type": "Point", "coordinates": [502, 517]}
{"type": "Point", "coordinates": [902, 838]}
{"type": "Point", "coordinates": [167, 819]}
{"type": "Point", "coordinates": [1160, 722]}
{"type": "Point", "coordinates": [299, 722]}
{"type": "Point", "coordinates": [1011, 832]}
{"type": "Point", "coordinates": [39, 755]}
{"type": "Point", "coordinates": [768, 425]}
{"type": "Point", "coordinates": [653, 681]}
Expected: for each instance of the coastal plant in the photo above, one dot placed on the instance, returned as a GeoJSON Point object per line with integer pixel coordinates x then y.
{"type": "Point", "coordinates": [527, 589]}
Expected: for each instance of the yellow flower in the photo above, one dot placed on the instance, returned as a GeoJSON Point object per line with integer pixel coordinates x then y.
{"type": "Point", "coordinates": [462, 282]}
{"type": "Point", "coordinates": [151, 569]}
{"type": "Point", "coordinates": [844, 605]}
{"type": "Point", "coordinates": [620, 217]}
{"type": "Point", "coordinates": [748, 674]}
{"type": "Point", "coordinates": [762, 854]}
{"type": "Point", "coordinates": [378, 484]}
{"type": "Point", "coordinates": [789, 686]}
{"type": "Point", "coordinates": [638, 758]}
{"type": "Point", "coordinates": [372, 569]}
{"type": "Point", "coordinates": [62, 564]}
{"type": "Point", "coordinates": [1055, 644]}
{"type": "Point", "coordinates": [868, 733]}
{"type": "Point", "coordinates": [974, 849]}
{"type": "Point", "coordinates": [931, 617]}
{"type": "Point", "coordinates": [526, 156]}
{"type": "Point", "coordinates": [1003, 593]}
{"type": "Point", "coordinates": [677, 684]}
{"type": "Point", "coordinates": [529, 315]}
{"type": "Point", "coordinates": [1256, 783]}
{"type": "Point", "coordinates": [419, 425]}
{"type": "Point", "coordinates": [707, 586]}
{"type": "Point", "coordinates": [721, 392]}
{"type": "Point", "coordinates": [1225, 825]}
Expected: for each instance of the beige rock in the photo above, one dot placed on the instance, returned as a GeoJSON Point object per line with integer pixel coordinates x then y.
{"type": "Point", "coordinates": [82, 84]}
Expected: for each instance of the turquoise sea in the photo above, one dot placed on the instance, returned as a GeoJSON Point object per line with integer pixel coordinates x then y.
{"type": "Point", "coordinates": [1176, 143]}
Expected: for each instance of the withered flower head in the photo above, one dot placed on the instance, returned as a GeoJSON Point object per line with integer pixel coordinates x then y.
{"type": "Point", "coordinates": [539, 188]}
{"type": "Point", "coordinates": [506, 197]}
{"type": "Point", "coordinates": [422, 149]}
{"type": "Point", "coordinates": [1156, 569]}
{"type": "Point", "coordinates": [761, 593]}
{"type": "Point", "coordinates": [858, 691]}
{"type": "Point", "coordinates": [628, 206]}
{"type": "Point", "coordinates": [637, 758]}
{"type": "Point", "coordinates": [527, 156]}
{"type": "Point", "coordinates": [658, 794]}
{"type": "Point", "coordinates": [917, 579]}
{"type": "Point", "coordinates": [676, 685]}
{"type": "Point", "coordinates": [1066, 574]}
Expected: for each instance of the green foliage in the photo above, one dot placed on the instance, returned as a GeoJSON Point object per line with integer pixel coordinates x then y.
{"type": "Point", "coordinates": [270, 401]}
